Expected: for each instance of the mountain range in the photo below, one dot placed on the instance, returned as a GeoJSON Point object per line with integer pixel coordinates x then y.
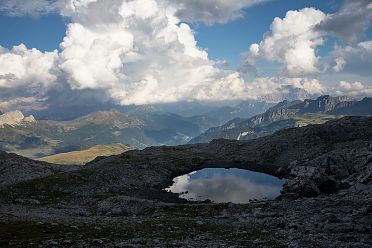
{"type": "Point", "coordinates": [287, 114]}
{"type": "Point", "coordinates": [218, 112]}
{"type": "Point", "coordinates": [168, 124]}
{"type": "Point", "coordinates": [137, 126]}
{"type": "Point", "coordinates": [46, 137]}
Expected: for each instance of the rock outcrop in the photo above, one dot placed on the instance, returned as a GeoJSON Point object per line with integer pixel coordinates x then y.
{"type": "Point", "coordinates": [323, 104]}
{"type": "Point", "coordinates": [14, 118]}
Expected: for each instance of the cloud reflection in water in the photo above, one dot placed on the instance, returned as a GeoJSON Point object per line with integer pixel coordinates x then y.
{"type": "Point", "coordinates": [222, 185]}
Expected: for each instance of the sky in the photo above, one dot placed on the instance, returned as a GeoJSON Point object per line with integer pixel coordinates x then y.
{"type": "Point", "coordinates": [87, 52]}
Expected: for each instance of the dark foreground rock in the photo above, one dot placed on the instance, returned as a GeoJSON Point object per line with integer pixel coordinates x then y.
{"type": "Point", "coordinates": [120, 202]}
{"type": "Point", "coordinates": [14, 168]}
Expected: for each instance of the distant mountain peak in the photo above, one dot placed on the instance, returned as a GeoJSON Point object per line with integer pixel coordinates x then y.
{"type": "Point", "coordinates": [288, 114]}
{"type": "Point", "coordinates": [322, 104]}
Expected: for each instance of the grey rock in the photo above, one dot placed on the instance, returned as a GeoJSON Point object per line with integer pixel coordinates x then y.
{"type": "Point", "coordinates": [326, 201]}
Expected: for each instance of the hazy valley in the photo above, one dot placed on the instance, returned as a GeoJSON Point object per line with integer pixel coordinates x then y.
{"type": "Point", "coordinates": [137, 127]}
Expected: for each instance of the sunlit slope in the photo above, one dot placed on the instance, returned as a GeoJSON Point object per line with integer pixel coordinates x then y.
{"type": "Point", "coordinates": [84, 156]}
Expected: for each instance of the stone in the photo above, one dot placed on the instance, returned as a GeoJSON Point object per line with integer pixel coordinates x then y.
{"type": "Point", "coordinates": [97, 241]}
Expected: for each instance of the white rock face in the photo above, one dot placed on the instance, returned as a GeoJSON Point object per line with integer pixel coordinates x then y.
{"type": "Point", "coordinates": [30, 119]}
{"type": "Point", "coordinates": [14, 118]}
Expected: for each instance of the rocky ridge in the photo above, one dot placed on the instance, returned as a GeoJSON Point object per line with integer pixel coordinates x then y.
{"type": "Point", "coordinates": [287, 114]}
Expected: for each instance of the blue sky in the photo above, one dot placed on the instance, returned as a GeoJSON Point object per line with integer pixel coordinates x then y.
{"type": "Point", "coordinates": [223, 41]}
{"type": "Point", "coordinates": [227, 41]}
{"type": "Point", "coordinates": [44, 32]}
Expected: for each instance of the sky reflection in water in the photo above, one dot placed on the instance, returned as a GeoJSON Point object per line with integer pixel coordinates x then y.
{"type": "Point", "coordinates": [226, 185]}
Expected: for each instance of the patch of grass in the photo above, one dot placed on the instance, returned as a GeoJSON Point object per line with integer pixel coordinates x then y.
{"type": "Point", "coordinates": [84, 156]}
{"type": "Point", "coordinates": [314, 118]}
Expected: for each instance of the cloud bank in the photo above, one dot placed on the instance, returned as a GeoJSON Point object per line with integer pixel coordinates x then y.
{"type": "Point", "coordinates": [353, 89]}
{"type": "Point", "coordinates": [27, 68]}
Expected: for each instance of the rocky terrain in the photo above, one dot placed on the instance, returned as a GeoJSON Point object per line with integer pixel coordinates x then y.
{"type": "Point", "coordinates": [287, 114]}
{"type": "Point", "coordinates": [14, 169]}
{"type": "Point", "coordinates": [14, 118]}
{"type": "Point", "coordinates": [119, 201]}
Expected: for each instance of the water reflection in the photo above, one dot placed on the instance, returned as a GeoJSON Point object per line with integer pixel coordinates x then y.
{"type": "Point", "coordinates": [226, 185]}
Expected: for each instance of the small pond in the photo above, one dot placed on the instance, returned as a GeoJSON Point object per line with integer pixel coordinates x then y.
{"type": "Point", "coordinates": [226, 185]}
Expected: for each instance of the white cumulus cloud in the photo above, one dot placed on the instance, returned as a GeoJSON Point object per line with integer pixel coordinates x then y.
{"type": "Point", "coordinates": [143, 55]}
{"type": "Point", "coordinates": [28, 68]}
{"type": "Point", "coordinates": [292, 41]}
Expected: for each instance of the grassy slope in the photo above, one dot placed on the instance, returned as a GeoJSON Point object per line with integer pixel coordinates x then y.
{"type": "Point", "coordinates": [87, 155]}
{"type": "Point", "coordinates": [314, 118]}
